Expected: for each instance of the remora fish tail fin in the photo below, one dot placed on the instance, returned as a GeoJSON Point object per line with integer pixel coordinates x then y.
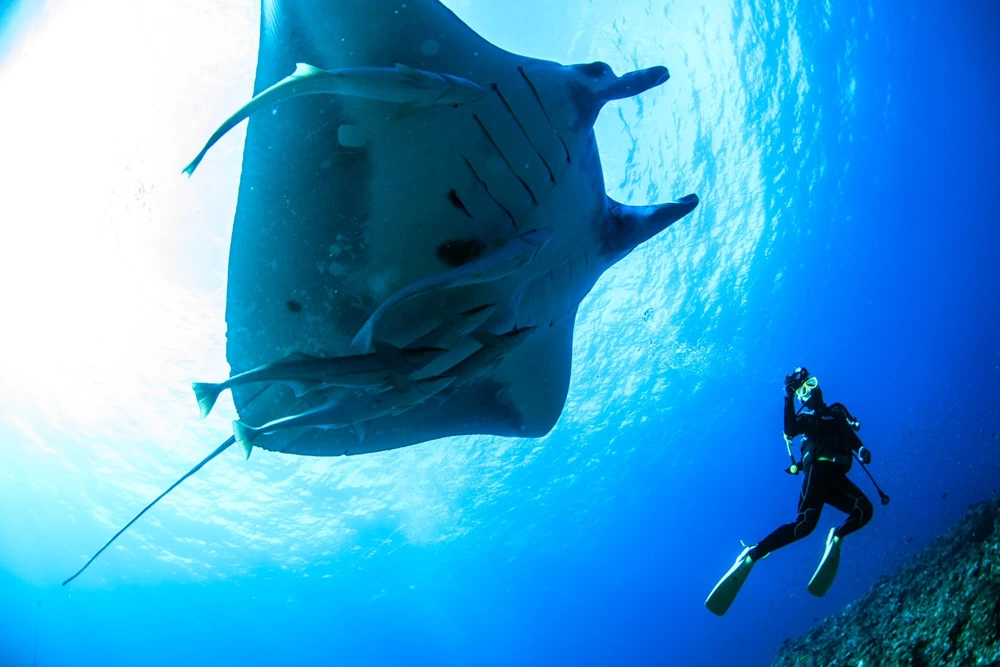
{"type": "Point", "coordinates": [221, 448]}
{"type": "Point", "coordinates": [245, 435]}
{"type": "Point", "coordinates": [207, 394]}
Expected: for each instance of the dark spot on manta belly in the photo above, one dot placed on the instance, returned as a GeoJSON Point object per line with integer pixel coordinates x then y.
{"type": "Point", "coordinates": [293, 306]}
{"type": "Point", "coordinates": [460, 251]}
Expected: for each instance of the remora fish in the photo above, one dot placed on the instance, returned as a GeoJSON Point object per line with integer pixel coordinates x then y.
{"type": "Point", "coordinates": [487, 357]}
{"type": "Point", "coordinates": [415, 89]}
{"type": "Point", "coordinates": [303, 372]}
{"type": "Point", "coordinates": [456, 326]}
{"type": "Point", "coordinates": [498, 264]}
{"type": "Point", "coordinates": [340, 415]}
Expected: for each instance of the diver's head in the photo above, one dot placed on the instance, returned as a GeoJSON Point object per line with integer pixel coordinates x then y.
{"type": "Point", "coordinates": [810, 393]}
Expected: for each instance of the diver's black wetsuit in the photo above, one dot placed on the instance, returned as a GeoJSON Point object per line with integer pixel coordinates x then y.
{"type": "Point", "coordinates": [827, 445]}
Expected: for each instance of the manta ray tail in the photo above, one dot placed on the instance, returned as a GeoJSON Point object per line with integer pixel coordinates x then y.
{"type": "Point", "coordinates": [207, 394]}
{"type": "Point", "coordinates": [221, 448]}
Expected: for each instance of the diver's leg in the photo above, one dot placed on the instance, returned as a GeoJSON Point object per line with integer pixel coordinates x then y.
{"type": "Point", "coordinates": [810, 506]}
{"type": "Point", "coordinates": [849, 499]}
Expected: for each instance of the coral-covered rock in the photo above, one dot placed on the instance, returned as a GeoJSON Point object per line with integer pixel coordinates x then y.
{"type": "Point", "coordinates": [941, 610]}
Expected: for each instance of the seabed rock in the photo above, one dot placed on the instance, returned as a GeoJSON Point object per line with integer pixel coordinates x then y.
{"type": "Point", "coordinates": [941, 610]}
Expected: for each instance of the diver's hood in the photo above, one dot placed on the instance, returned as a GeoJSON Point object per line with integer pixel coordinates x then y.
{"type": "Point", "coordinates": [815, 399]}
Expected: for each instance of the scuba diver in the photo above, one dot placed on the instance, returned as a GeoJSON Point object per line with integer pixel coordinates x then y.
{"type": "Point", "coordinates": [829, 441]}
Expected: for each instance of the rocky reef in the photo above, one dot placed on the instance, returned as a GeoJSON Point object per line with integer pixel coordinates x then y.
{"type": "Point", "coordinates": [941, 610]}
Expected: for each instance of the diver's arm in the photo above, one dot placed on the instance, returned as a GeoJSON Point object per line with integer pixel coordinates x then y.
{"type": "Point", "coordinates": [791, 430]}
{"type": "Point", "coordinates": [855, 442]}
{"type": "Point", "coordinates": [864, 455]}
{"type": "Point", "coordinates": [792, 425]}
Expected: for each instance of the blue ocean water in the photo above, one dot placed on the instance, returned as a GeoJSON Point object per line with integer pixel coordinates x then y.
{"type": "Point", "coordinates": [846, 155]}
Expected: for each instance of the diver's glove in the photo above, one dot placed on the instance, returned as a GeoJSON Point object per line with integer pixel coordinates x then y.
{"type": "Point", "coordinates": [864, 455]}
{"type": "Point", "coordinates": [795, 380]}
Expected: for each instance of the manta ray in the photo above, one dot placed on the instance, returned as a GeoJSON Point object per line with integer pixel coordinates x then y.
{"type": "Point", "coordinates": [406, 184]}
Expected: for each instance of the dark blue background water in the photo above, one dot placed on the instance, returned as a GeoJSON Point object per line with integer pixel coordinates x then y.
{"type": "Point", "coordinates": [880, 275]}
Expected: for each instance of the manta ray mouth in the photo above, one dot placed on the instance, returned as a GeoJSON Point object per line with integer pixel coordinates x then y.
{"type": "Point", "coordinates": [636, 82]}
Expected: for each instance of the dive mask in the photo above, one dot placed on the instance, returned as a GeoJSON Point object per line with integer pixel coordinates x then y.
{"type": "Point", "coordinates": [806, 389]}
